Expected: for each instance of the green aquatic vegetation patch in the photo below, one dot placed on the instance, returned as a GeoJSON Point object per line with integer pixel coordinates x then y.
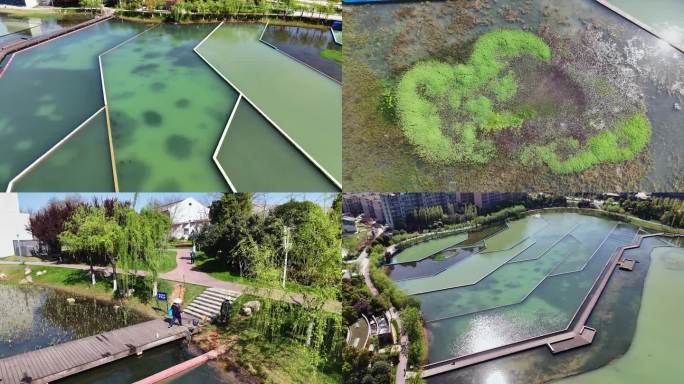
{"type": "Point", "coordinates": [332, 54]}
{"type": "Point", "coordinates": [451, 113]}
{"type": "Point", "coordinates": [628, 137]}
{"type": "Point", "coordinates": [448, 111]}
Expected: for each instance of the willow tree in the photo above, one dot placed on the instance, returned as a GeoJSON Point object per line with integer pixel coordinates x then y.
{"type": "Point", "coordinates": [155, 229]}
{"type": "Point", "coordinates": [91, 235]}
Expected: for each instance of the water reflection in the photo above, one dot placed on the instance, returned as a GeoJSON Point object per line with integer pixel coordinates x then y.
{"type": "Point", "coordinates": [306, 44]}
{"type": "Point", "coordinates": [37, 317]}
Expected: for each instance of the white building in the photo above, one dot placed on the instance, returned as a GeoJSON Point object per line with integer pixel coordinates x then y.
{"type": "Point", "coordinates": [13, 224]}
{"type": "Point", "coordinates": [187, 216]}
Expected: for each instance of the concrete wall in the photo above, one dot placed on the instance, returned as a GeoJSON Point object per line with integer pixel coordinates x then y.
{"type": "Point", "coordinates": [187, 216]}
{"type": "Point", "coordinates": [12, 223]}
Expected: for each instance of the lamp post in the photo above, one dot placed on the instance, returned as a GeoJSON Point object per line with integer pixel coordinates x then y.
{"type": "Point", "coordinates": [21, 257]}
{"type": "Point", "coordinates": [286, 245]}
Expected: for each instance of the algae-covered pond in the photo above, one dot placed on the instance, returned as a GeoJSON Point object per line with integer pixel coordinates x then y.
{"type": "Point", "coordinates": [166, 109]}
{"type": "Point", "coordinates": [538, 290]}
{"type": "Point", "coordinates": [508, 95]}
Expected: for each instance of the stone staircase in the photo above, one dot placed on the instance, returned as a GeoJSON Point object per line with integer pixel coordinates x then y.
{"type": "Point", "coordinates": [208, 304]}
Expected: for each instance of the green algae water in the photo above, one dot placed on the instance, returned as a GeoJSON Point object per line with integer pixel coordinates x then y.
{"type": "Point", "coordinates": [167, 111]}
{"type": "Point", "coordinates": [85, 155]}
{"type": "Point", "coordinates": [427, 248]}
{"type": "Point", "coordinates": [312, 118]}
{"type": "Point", "coordinates": [655, 353]}
{"type": "Point", "coordinates": [53, 89]}
{"type": "Point", "coordinates": [615, 318]}
{"type": "Point", "coordinates": [251, 169]}
{"type": "Point", "coordinates": [527, 292]}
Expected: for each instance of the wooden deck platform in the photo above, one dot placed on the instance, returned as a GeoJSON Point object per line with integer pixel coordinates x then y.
{"type": "Point", "coordinates": [585, 337]}
{"type": "Point", "coordinates": [627, 264]}
{"type": "Point", "coordinates": [62, 360]}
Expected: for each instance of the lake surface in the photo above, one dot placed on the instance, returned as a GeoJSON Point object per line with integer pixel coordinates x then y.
{"type": "Point", "coordinates": [15, 27]}
{"type": "Point", "coordinates": [531, 293]}
{"type": "Point", "coordinates": [134, 368]}
{"type": "Point", "coordinates": [654, 355]}
{"type": "Point", "coordinates": [37, 317]}
{"type": "Point", "coordinates": [168, 109]}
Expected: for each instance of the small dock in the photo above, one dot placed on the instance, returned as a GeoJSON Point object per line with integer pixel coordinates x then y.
{"type": "Point", "coordinates": [584, 337]}
{"type": "Point", "coordinates": [62, 360]}
{"type": "Point", "coordinates": [627, 264]}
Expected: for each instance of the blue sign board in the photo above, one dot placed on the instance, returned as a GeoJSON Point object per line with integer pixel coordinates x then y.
{"type": "Point", "coordinates": [161, 296]}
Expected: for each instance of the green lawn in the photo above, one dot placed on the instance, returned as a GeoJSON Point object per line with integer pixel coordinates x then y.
{"type": "Point", "coordinates": [215, 269]}
{"type": "Point", "coordinates": [168, 263]}
{"type": "Point", "coordinates": [351, 242]}
{"type": "Point", "coordinates": [78, 282]}
{"type": "Point", "coordinates": [25, 258]}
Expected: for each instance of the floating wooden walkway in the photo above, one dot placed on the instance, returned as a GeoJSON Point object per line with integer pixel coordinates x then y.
{"type": "Point", "coordinates": [62, 360]}
{"type": "Point", "coordinates": [575, 336]}
{"type": "Point", "coordinates": [585, 337]}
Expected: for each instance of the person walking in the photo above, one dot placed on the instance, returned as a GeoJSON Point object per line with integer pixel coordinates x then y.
{"type": "Point", "coordinates": [176, 312]}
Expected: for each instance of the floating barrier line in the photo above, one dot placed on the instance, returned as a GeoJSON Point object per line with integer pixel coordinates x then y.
{"type": "Point", "coordinates": [311, 159]}
{"type": "Point", "coordinates": [46, 154]}
{"type": "Point", "coordinates": [112, 155]}
{"type": "Point", "coordinates": [294, 58]}
{"type": "Point", "coordinates": [220, 144]}
{"type": "Point", "coordinates": [332, 31]}
{"type": "Point", "coordinates": [583, 311]}
{"type": "Point", "coordinates": [548, 275]}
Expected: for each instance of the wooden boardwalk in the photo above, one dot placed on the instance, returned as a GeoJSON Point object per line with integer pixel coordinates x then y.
{"type": "Point", "coordinates": [571, 337]}
{"type": "Point", "coordinates": [62, 360]}
{"type": "Point", "coordinates": [585, 337]}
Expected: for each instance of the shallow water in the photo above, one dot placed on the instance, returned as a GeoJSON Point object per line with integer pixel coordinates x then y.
{"type": "Point", "coordinates": [276, 166]}
{"type": "Point", "coordinates": [306, 44]}
{"type": "Point", "coordinates": [526, 295]}
{"type": "Point", "coordinates": [614, 316]}
{"type": "Point", "coordinates": [664, 16]}
{"type": "Point", "coordinates": [384, 40]}
{"type": "Point", "coordinates": [83, 155]}
{"type": "Point", "coordinates": [167, 111]}
{"type": "Point", "coordinates": [37, 317]}
{"type": "Point", "coordinates": [654, 355]}
{"type": "Point", "coordinates": [268, 78]}
{"type": "Point", "coordinates": [134, 368]}
{"type": "Point", "coordinates": [53, 88]}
